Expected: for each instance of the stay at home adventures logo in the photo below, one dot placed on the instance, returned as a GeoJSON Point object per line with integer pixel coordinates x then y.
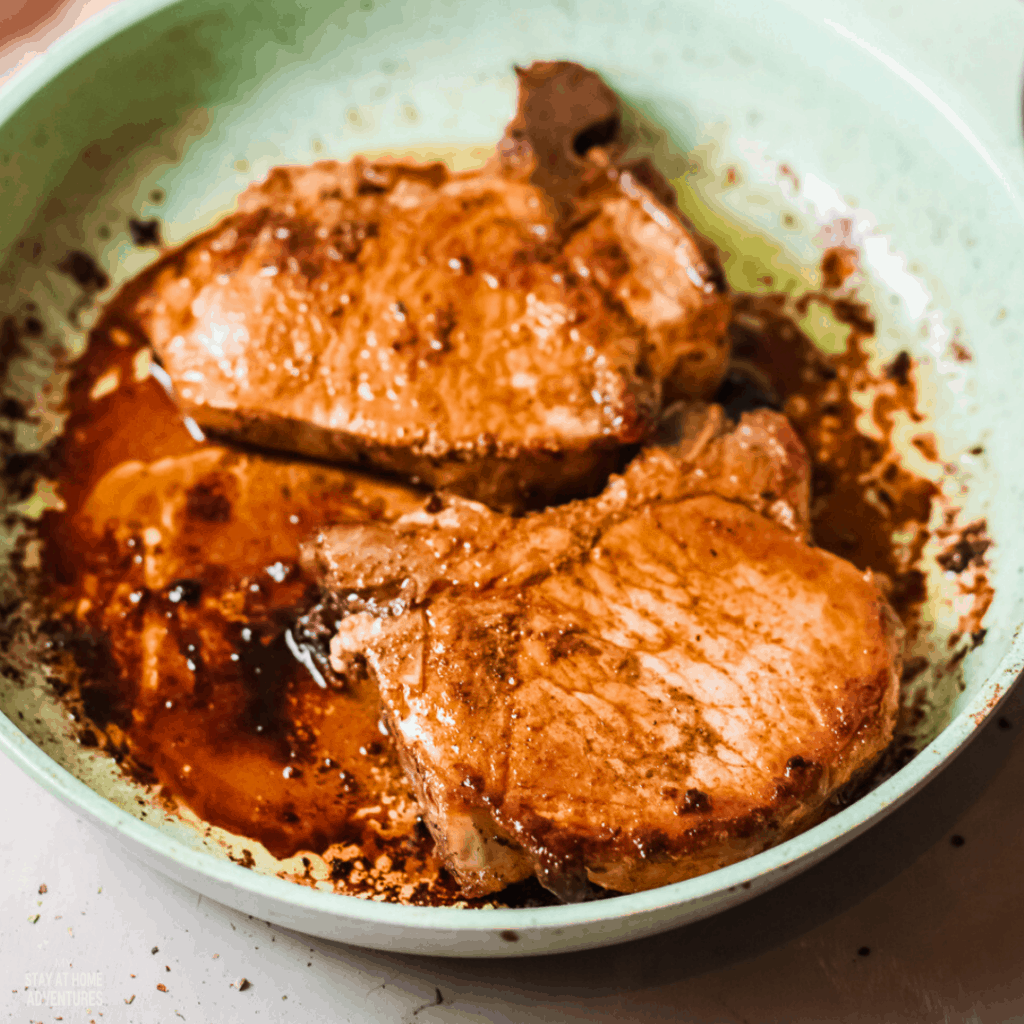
{"type": "Point", "coordinates": [54, 989]}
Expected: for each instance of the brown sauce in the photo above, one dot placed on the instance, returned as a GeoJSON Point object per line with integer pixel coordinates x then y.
{"type": "Point", "coordinates": [175, 580]}
{"type": "Point", "coordinates": [865, 505]}
{"type": "Point", "coordinates": [176, 589]}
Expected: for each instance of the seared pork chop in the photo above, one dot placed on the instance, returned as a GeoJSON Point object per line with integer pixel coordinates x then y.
{"type": "Point", "coordinates": [501, 333]}
{"type": "Point", "coordinates": [627, 690]}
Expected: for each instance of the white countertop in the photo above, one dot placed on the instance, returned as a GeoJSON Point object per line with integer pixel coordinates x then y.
{"type": "Point", "coordinates": [922, 919]}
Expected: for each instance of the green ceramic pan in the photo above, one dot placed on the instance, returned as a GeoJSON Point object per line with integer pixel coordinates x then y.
{"type": "Point", "coordinates": [829, 114]}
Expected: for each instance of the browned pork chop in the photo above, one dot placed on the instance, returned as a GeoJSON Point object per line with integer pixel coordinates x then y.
{"type": "Point", "coordinates": [628, 690]}
{"type": "Point", "coordinates": [502, 332]}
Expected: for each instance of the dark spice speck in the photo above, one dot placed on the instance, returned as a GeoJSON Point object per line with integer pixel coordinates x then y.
{"type": "Point", "coordinates": [695, 801]}
{"type": "Point", "coordinates": [899, 369]}
{"type": "Point", "coordinates": [85, 271]}
{"type": "Point", "coordinates": [145, 232]}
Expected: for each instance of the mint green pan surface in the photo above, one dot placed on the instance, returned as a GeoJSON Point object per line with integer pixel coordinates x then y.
{"type": "Point", "coordinates": [830, 113]}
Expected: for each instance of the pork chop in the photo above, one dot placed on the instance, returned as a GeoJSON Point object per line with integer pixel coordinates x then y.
{"type": "Point", "coordinates": [501, 333]}
{"type": "Point", "coordinates": [627, 690]}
